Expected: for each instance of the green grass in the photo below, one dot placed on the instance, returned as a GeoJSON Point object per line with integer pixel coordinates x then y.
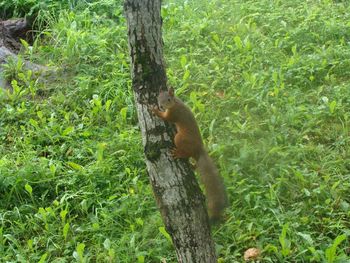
{"type": "Point", "coordinates": [269, 84]}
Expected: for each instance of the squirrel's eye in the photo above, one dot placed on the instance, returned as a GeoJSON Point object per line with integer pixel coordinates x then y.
{"type": "Point", "coordinates": [169, 99]}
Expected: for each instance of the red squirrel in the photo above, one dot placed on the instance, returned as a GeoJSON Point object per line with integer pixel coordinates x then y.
{"type": "Point", "coordinates": [188, 143]}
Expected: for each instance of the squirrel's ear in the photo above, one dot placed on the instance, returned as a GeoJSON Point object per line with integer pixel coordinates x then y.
{"type": "Point", "coordinates": [171, 91]}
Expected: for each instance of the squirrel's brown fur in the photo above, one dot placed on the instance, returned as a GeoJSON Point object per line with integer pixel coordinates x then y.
{"type": "Point", "coordinates": [188, 142]}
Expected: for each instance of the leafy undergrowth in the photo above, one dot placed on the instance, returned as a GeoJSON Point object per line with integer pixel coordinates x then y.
{"type": "Point", "coordinates": [269, 84]}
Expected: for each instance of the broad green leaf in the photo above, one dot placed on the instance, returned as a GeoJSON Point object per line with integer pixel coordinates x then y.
{"type": "Point", "coordinates": [33, 123]}
{"type": "Point", "coordinates": [285, 243]}
{"type": "Point", "coordinates": [216, 38]}
{"type": "Point", "coordinates": [24, 43]}
{"type": "Point", "coordinates": [332, 106]}
{"type": "Point", "coordinates": [183, 61]}
{"type": "Point", "coordinates": [331, 252]}
{"type": "Point", "coordinates": [139, 221]}
{"type": "Point", "coordinates": [75, 166]}
{"type": "Point", "coordinates": [100, 149]}
{"type": "Point", "coordinates": [186, 74]}
{"type": "Point", "coordinates": [78, 254]}
{"type": "Point", "coordinates": [68, 130]}
{"type": "Point", "coordinates": [123, 113]}
{"type": "Point", "coordinates": [111, 253]}
{"type": "Point", "coordinates": [63, 214]}
{"type": "Point", "coordinates": [52, 169]}
{"type": "Point", "coordinates": [43, 258]}
{"type": "Point", "coordinates": [28, 188]}
{"type": "Point", "coordinates": [140, 259]}
{"type": "Point", "coordinates": [30, 244]}
{"type": "Point", "coordinates": [164, 233]}
{"type": "Point", "coordinates": [65, 230]}
{"type": "Point", "coordinates": [107, 244]}
{"type": "Point", "coordinates": [40, 114]}
{"type": "Point", "coordinates": [108, 105]}
{"type": "Point", "coordinates": [238, 42]}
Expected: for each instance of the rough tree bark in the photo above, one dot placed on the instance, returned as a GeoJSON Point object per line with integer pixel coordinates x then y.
{"type": "Point", "coordinates": [175, 188]}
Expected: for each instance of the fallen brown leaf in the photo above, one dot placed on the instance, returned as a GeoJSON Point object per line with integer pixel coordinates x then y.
{"type": "Point", "coordinates": [251, 254]}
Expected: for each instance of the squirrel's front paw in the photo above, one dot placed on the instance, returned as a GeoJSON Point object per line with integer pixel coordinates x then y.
{"type": "Point", "coordinates": [175, 153]}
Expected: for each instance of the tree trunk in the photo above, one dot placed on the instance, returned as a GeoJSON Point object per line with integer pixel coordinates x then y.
{"type": "Point", "coordinates": [175, 188]}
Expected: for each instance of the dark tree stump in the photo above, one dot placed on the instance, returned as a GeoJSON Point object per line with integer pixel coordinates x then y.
{"type": "Point", "coordinates": [11, 31]}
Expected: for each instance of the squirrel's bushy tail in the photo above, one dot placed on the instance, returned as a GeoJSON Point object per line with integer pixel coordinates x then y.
{"type": "Point", "coordinates": [214, 186]}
